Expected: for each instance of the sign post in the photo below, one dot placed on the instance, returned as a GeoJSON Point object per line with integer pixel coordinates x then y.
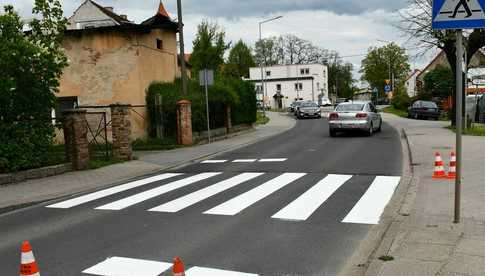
{"type": "Point", "coordinates": [206, 78]}
{"type": "Point", "coordinates": [458, 15]}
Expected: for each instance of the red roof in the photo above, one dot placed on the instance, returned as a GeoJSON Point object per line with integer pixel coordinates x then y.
{"type": "Point", "coordinates": [162, 10]}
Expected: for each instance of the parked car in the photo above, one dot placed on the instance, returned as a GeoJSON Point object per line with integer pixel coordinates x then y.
{"type": "Point", "coordinates": [358, 115]}
{"type": "Point", "coordinates": [424, 109]}
{"type": "Point", "coordinates": [325, 102]}
{"type": "Point", "coordinates": [293, 105]}
{"type": "Point", "coordinates": [309, 110]}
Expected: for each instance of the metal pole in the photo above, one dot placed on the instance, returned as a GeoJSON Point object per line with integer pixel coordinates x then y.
{"type": "Point", "coordinates": [262, 73]}
{"type": "Point", "coordinates": [182, 50]}
{"type": "Point", "coordinates": [207, 105]}
{"type": "Point", "coordinates": [459, 122]}
{"type": "Point", "coordinates": [313, 89]}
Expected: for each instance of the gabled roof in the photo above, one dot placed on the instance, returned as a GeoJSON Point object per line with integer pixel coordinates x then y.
{"type": "Point", "coordinates": [120, 20]}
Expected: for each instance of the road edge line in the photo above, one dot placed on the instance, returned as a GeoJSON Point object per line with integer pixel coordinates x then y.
{"type": "Point", "coordinates": [364, 260]}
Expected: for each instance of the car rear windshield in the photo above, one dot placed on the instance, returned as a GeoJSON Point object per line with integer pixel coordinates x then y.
{"type": "Point", "coordinates": [350, 107]}
{"type": "Point", "coordinates": [429, 104]}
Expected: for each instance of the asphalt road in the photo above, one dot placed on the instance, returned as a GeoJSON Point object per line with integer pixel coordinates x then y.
{"type": "Point", "coordinates": [299, 213]}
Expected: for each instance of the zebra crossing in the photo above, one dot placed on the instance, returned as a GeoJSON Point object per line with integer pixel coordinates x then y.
{"type": "Point", "coordinates": [367, 210]}
{"type": "Point", "coordinates": [122, 266]}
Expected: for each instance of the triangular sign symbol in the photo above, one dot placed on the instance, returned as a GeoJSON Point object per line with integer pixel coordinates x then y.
{"type": "Point", "coordinates": [458, 10]}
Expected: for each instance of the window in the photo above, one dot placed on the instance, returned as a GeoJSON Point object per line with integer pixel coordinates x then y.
{"type": "Point", "coordinates": [159, 44]}
{"type": "Point", "coordinates": [278, 87]}
{"type": "Point", "coordinates": [268, 73]}
{"type": "Point", "coordinates": [307, 71]}
{"type": "Point", "coordinates": [298, 86]}
{"type": "Point", "coordinates": [302, 71]}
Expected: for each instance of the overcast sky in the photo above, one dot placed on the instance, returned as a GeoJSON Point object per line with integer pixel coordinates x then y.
{"type": "Point", "coordinates": [347, 26]}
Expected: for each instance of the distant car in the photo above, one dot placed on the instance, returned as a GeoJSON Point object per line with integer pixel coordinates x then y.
{"type": "Point", "coordinates": [424, 109]}
{"type": "Point", "coordinates": [325, 102]}
{"type": "Point", "coordinates": [309, 110]}
{"type": "Point", "coordinates": [355, 116]}
{"type": "Point", "coordinates": [296, 106]}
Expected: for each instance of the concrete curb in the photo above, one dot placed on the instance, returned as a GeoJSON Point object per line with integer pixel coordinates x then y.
{"type": "Point", "coordinates": [12, 208]}
{"type": "Point", "coordinates": [380, 238]}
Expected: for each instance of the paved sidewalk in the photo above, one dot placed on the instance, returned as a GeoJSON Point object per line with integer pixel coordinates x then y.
{"type": "Point", "coordinates": [423, 239]}
{"type": "Point", "coordinates": [39, 190]}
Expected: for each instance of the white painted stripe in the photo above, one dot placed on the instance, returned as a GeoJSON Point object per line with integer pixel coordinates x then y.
{"type": "Point", "coordinates": [27, 258]}
{"type": "Point", "coordinates": [128, 267]}
{"type": "Point", "coordinates": [371, 205]}
{"type": "Point", "coordinates": [244, 160]}
{"type": "Point", "coordinates": [273, 160]}
{"type": "Point", "coordinates": [191, 199]}
{"type": "Point", "coordinates": [135, 199]}
{"type": "Point", "coordinates": [204, 271]}
{"type": "Point", "coordinates": [104, 193]}
{"type": "Point", "coordinates": [214, 161]}
{"type": "Point", "coordinates": [306, 204]}
{"type": "Point", "coordinates": [241, 202]}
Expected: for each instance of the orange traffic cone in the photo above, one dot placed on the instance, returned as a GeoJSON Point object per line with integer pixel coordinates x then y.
{"type": "Point", "coordinates": [439, 170]}
{"type": "Point", "coordinates": [28, 265]}
{"type": "Point", "coordinates": [178, 267]}
{"type": "Point", "coordinates": [452, 172]}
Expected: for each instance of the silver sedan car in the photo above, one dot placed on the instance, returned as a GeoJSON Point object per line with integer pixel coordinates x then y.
{"type": "Point", "coordinates": [355, 116]}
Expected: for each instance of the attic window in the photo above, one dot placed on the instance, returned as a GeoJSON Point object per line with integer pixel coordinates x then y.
{"type": "Point", "coordinates": [159, 44]}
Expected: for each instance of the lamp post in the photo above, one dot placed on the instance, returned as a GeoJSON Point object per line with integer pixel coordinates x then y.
{"type": "Point", "coordinates": [262, 61]}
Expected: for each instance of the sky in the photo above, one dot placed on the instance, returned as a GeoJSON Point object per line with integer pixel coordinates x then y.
{"type": "Point", "coordinates": [349, 27]}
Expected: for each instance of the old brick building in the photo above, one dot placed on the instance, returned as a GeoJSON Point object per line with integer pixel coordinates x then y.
{"type": "Point", "coordinates": [113, 60]}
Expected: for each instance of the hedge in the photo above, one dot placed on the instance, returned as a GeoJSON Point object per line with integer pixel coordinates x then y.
{"type": "Point", "coordinates": [236, 93]}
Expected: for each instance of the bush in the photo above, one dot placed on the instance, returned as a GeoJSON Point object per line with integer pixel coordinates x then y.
{"type": "Point", "coordinates": [402, 101]}
{"type": "Point", "coordinates": [30, 67]}
{"type": "Point", "coordinates": [226, 91]}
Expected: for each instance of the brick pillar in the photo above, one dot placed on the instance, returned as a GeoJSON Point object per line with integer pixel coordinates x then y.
{"type": "Point", "coordinates": [76, 138]}
{"type": "Point", "coordinates": [184, 123]}
{"type": "Point", "coordinates": [121, 131]}
{"type": "Point", "coordinates": [227, 118]}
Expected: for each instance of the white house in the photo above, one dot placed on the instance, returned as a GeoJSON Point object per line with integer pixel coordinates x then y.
{"type": "Point", "coordinates": [286, 83]}
{"type": "Point", "coordinates": [411, 83]}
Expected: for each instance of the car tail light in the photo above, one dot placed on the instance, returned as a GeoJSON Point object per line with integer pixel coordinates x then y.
{"type": "Point", "coordinates": [333, 116]}
{"type": "Point", "coordinates": [361, 115]}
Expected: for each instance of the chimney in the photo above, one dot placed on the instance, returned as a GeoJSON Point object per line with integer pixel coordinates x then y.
{"type": "Point", "coordinates": [124, 16]}
{"type": "Point", "coordinates": [109, 9]}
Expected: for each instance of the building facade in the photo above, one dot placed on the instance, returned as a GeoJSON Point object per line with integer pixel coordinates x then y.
{"type": "Point", "coordinates": [411, 83]}
{"type": "Point", "coordinates": [113, 60]}
{"type": "Point", "coordinates": [285, 84]}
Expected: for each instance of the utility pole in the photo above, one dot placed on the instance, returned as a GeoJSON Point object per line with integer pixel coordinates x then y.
{"type": "Point", "coordinates": [182, 50]}
{"type": "Point", "coordinates": [459, 122]}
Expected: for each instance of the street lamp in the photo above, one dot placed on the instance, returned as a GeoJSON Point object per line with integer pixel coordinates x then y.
{"type": "Point", "coordinates": [264, 57]}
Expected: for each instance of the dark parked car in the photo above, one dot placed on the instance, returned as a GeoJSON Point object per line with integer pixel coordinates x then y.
{"type": "Point", "coordinates": [424, 110]}
{"type": "Point", "coordinates": [309, 110]}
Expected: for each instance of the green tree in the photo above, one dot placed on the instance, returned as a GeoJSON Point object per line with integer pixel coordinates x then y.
{"type": "Point", "coordinates": [209, 47]}
{"type": "Point", "coordinates": [240, 60]}
{"type": "Point", "coordinates": [440, 82]}
{"type": "Point", "coordinates": [30, 67]}
{"type": "Point", "coordinates": [375, 66]}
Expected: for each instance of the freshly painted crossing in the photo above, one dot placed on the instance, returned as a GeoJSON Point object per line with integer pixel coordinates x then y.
{"type": "Point", "coordinates": [371, 205]}
{"type": "Point", "coordinates": [128, 267]}
{"type": "Point", "coordinates": [135, 199]}
{"type": "Point", "coordinates": [191, 199]}
{"type": "Point", "coordinates": [205, 271]}
{"type": "Point", "coordinates": [241, 202]}
{"type": "Point", "coordinates": [111, 191]}
{"type": "Point", "coordinates": [304, 206]}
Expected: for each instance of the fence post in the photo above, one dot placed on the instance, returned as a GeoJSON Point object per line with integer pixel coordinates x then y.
{"type": "Point", "coordinates": [76, 138]}
{"type": "Point", "coordinates": [184, 123]}
{"type": "Point", "coordinates": [121, 131]}
{"type": "Point", "coordinates": [227, 118]}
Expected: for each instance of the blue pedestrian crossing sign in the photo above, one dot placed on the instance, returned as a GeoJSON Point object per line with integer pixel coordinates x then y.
{"type": "Point", "coordinates": [458, 14]}
{"type": "Point", "coordinates": [387, 88]}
